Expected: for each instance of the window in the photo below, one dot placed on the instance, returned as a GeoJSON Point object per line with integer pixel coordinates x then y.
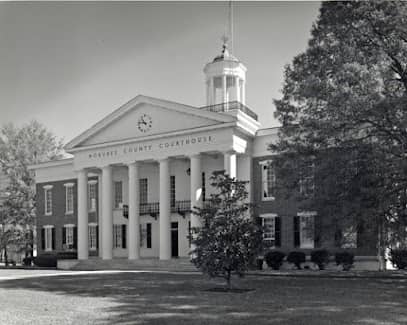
{"type": "Point", "coordinates": [148, 235]}
{"type": "Point", "coordinates": [119, 236]}
{"type": "Point", "coordinates": [48, 238]}
{"type": "Point", "coordinates": [48, 199]}
{"type": "Point", "coordinates": [69, 236]}
{"type": "Point", "coordinates": [349, 237]}
{"type": "Point", "coordinates": [143, 190]}
{"type": "Point", "coordinates": [92, 195]}
{"type": "Point", "coordinates": [69, 198]}
{"type": "Point", "coordinates": [306, 181]}
{"type": "Point", "coordinates": [304, 230]}
{"type": "Point", "coordinates": [172, 190]}
{"type": "Point", "coordinates": [271, 230]}
{"type": "Point", "coordinates": [118, 194]}
{"type": "Point", "coordinates": [203, 187]}
{"type": "Point", "coordinates": [93, 235]}
{"type": "Point", "coordinates": [268, 180]}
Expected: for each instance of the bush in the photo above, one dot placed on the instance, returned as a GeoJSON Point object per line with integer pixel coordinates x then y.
{"type": "Point", "coordinates": [320, 257]}
{"type": "Point", "coordinates": [345, 259]}
{"type": "Point", "coordinates": [274, 259]}
{"type": "Point", "coordinates": [398, 258]}
{"type": "Point", "coordinates": [27, 261]}
{"type": "Point", "coordinates": [296, 258]}
{"type": "Point", "coordinates": [45, 260]}
{"type": "Point", "coordinates": [67, 256]}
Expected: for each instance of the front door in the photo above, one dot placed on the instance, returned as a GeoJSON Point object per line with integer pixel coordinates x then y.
{"type": "Point", "coordinates": [174, 239]}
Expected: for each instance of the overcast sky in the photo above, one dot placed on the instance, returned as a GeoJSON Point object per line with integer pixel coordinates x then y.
{"type": "Point", "coordinates": [70, 64]}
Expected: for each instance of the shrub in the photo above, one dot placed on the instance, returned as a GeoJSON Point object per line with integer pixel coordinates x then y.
{"type": "Point", "coordinates": [67, 256]}
{"type": "Point", "coordinates": [345, 259]}
{"type": "Point", "coordinates": [320, 257]}
{"type": "Point", "coordinates": [398, 258]}
{"type": "Point", "coordinates": [274, 259]}
{"type": "Point", "coordinates": [45, 260]}
{"type": "Point", "coordinates": [27, 261]}
{"type": "Point", "coordinates": [296, 258]}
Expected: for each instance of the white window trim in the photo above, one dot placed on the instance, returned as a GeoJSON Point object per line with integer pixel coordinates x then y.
{"type": "Point", "coordinates": [90, 225]}
{"type": "Point", "coordinates": [68, 185]}
{"type": "Point", "coordinates": [306, 214]}
{"type": "Point", "coordinates": [90, 208]}
{"type": "Point", "coordinates": [48, 248]}
{"type": "Point", "coordinates": [262, 164]}
{"type": "Point", "coordinates": [70, 226]}
{"type": "Point", "coordinates": [117, 236]}
{"type": "Point", "coordinates": [47, 188]}
{"type": "Point", "coordinates": [269, 216]}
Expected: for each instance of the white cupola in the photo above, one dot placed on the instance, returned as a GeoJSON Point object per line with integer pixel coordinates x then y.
{"type": "Point", "coordinates": [225, 78]}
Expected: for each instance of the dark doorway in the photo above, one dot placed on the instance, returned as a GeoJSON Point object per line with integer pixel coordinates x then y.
{"type": "Point", "coordinates": [174, 239]}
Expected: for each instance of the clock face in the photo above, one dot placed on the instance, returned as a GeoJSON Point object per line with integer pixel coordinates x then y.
{"type": "Point", "coordinates": [144, 123]}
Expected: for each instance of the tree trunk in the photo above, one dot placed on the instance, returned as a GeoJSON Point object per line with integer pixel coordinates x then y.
{"type": "Point", "coordinates": [381, 247]}
{"type": "Point", "coordinates": [5, 256]}
{"type": "Point", "coordinates": [229, 279]}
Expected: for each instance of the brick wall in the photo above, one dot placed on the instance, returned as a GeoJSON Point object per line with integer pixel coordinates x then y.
{"type": "Point", "coordinates": [286, 209]}
{"type": "Point", "coordinates": [58, 218]}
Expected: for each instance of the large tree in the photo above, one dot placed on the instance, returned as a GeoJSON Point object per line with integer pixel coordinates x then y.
{"type": "Point", "coordinates": [229, 239]}
{"type": "Point", "coordinates": [20, 147]}
{"type": "Point", "coordinates": [344, 108]}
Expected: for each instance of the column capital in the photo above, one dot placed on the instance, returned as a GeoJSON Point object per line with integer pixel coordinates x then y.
{"type": "Point", "coordinates": [195, 155]}
{"type": "Point", "coordinates": [133, 163]}
{"type": "Point", "coordinates": [106, 166]}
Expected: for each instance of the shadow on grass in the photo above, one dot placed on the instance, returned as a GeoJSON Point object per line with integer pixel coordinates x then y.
{"type": "Point", "coordinates": [148, 298]}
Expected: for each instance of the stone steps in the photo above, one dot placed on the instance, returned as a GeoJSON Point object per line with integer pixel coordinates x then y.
{"type": "Point", "coordinates": [93, 264]}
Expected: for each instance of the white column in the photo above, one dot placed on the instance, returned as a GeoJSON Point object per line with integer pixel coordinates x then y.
{"type": "Point", "coordinates": [237, 88]}
{"type": "Point", "coordinates": [134, 211]}
{"type": "Point", "coordinates": [165, 210]}
{"type": "Point", "coordinates": [212, 92]}
{"type": "Point", "coordinates": [213, 101]}
{"type": "Point", "coordinates": [243, 97]}
{"type": "Point", "coordinates": [224, 89]}
{"type": "Point", "coordinates": [196, 187]}
{"type": "Point", "coordinates": [99, 207]}
{"type": "Point", "coordinates": [208, 92]}
{"type": "Point", "coordinates": [83, 249]}
{"type": "Point", "coordinates": [107, 213]}
{"type": "Point", "coordinates": [229, 164]}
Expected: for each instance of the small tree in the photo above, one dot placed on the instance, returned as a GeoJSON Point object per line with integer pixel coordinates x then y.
{"type": "Point", "coordinates": [229, 239]}
{"type": "Point", "coordinates": [20, 147]}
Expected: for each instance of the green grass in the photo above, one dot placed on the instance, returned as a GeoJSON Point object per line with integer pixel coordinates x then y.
{"type": "Point", "coordinates": [131, 298]}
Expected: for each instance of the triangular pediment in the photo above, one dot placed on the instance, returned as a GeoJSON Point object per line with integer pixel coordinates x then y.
{"type": "Point", "coordinates": [146, 116]}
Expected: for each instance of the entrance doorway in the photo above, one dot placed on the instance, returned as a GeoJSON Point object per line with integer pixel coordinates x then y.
{"type": "Point", "coordinates": [174, 239]}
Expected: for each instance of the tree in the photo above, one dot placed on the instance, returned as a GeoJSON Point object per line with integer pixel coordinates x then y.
{"type": "Point", "coordinates": [343, 107]}
{"type": "Point", "coordinates": [229, 239]}
{"type": "Point", "coordinates": [19, 148]}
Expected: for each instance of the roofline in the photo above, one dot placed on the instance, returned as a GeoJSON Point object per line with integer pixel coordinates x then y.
{"type": "Point", "coordinates": [139, 99]}
{"type": "Point", "coordinates": [50, 163]}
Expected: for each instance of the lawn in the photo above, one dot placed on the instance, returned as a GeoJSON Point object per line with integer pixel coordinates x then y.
{"type": "Point", "coordinates": [151, 298]}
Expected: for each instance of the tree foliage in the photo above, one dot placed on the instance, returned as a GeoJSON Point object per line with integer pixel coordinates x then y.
{"type": "Point", "coordinates": [19, 148]}
{"type": "Point", "coordinates": [229, 239]}
{"type": "Point", "coordinates": [344, 107]}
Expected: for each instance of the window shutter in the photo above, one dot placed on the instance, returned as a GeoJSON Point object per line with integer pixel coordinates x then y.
{"type": "Point", "coordinates": [296, 231]}
{"type": "Point", "coordinates": [149, 235]}
{"type": "Point", "coordinates": [53, 238]}
{"type": "Point", "coordinates": [63, 235]}
{"type": "Point", "coordinates": [43, 238]}
{"type": "Point", "coordinates": [123, 236]}
{"type": "Point", "coordinates": [317, 230]}
{"type": "Point", "coordinates": [277, 230]}
{"type": "Point", "coordinates": [97, 236]}
{"type": "Point", "coordinates": [75, 237]}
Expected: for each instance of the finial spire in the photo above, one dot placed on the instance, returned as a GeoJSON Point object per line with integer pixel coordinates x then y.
{"type": "Point", "coordinates": [231, 25]}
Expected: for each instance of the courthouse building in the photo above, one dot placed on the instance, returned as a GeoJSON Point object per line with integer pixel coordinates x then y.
{"type": "Point", "coordinates": [135, 175]}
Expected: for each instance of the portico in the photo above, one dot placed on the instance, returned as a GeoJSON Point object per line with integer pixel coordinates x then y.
{"type": "Point", "coordinates": [193, 163]}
